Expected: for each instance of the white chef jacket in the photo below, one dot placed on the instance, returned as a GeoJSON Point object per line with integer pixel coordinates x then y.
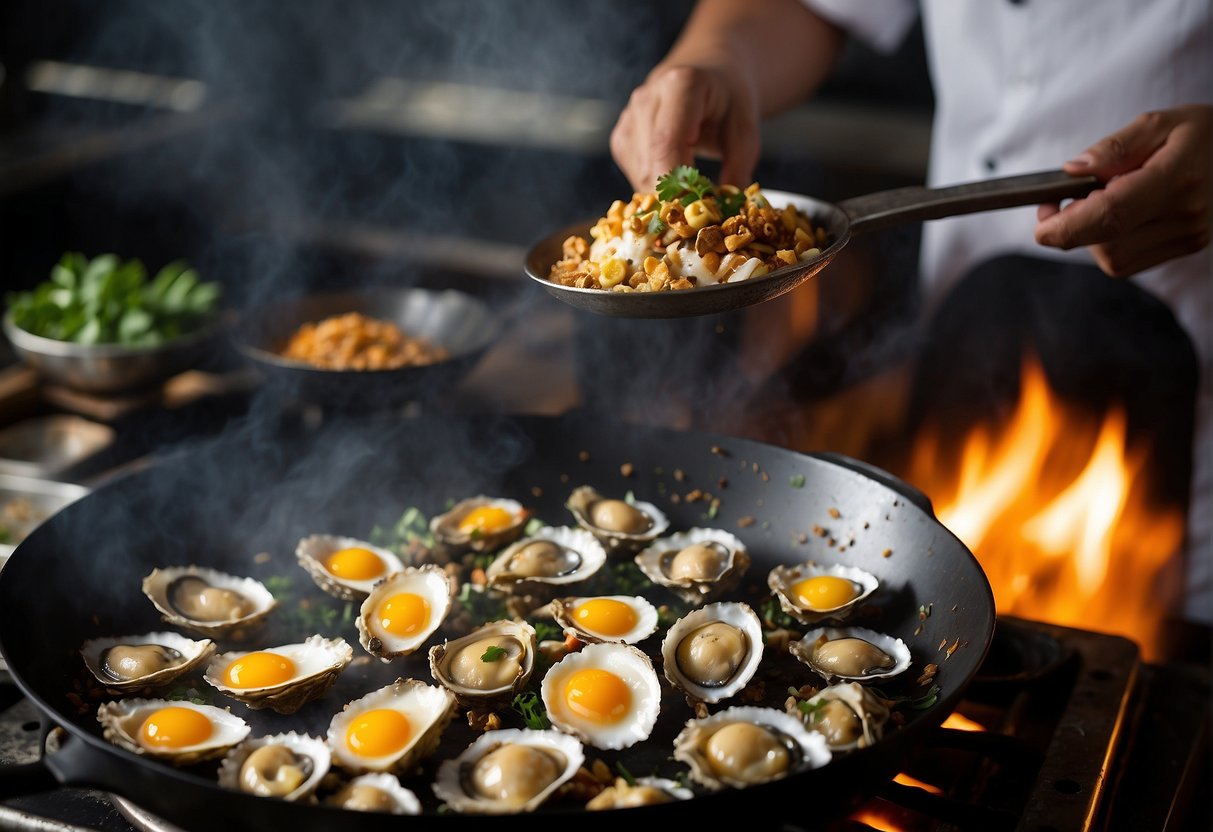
{"type": "Point", "coordinates": [1024, 85]}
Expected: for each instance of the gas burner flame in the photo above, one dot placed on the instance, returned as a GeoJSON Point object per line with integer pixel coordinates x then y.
{"type": "Point", "coordinates": [1054, 504]}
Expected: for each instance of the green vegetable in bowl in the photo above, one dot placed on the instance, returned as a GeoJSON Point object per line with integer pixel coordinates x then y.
{"type": "Point", "coordinates": [107, 300]}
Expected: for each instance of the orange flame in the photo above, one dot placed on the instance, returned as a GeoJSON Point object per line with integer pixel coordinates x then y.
{"type": "Point", "coordinates": [1054, 507]}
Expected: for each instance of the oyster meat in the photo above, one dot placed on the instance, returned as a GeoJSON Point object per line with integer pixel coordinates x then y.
{"type": "Point", "coordinates": [552, 557]}
{"type": "Point", "coordinates": [289, 766]}
{"type": "Point", "coordinates": [645, 791]}
{"type": "Point", "coordinates": [379, 792]}
{"type": "Point", "coordinates": [848, 715]}
{"type": "Point", "coordinates": [507, 771]}
{"type": "Point", "coordinates": [622, 526]}
{"type": "Point", "coordinates": [129, 664]}
{"type": "Point", "coordinates": [697, 565]}
{"type": "Point", "coordinates": [745, 746]}
{"type": "Point", "coordinates": [206, 600]}
{"type": "Point", "coordinates": [711, 653]}
{"type": "Point", "coordinates": [851, 653]}
{"type": "Point", "coordinates": [488, 666]}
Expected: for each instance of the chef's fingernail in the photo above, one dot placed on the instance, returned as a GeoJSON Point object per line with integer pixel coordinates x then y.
{"type": "Point", "coordinates": [1082, 160]}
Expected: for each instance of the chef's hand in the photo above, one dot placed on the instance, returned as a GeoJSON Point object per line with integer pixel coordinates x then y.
{"type": "Point", "coordinates": [682, 110]}
{"type": "Point", "coordinates": [1155, 205]}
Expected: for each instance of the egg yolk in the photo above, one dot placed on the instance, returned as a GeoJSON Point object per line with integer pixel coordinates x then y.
{"type": "Point", "coordinates": [606, 616]}
{"type": "Point", "coordinates": [258, 670]}
{"type": "Point", "coordinates": [824, 592]}
{"type": "Point", "coordinates": [378, 733]}
{"type": "Point", "coordinates": [486, 519]}
{"type": "Point", "coordinates": [404, 614]}
{"type": "Point", "coordinates": [355, 564]}
{"type": "Point", "coordinates": [175, 727]}
{"type": "Point", "coordinates": [597, 695]}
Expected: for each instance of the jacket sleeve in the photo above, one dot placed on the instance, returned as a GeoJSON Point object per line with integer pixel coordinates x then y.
{"type": "Point", "coordinates": [881, 24]}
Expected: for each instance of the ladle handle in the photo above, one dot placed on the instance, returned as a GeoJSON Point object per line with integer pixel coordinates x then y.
{"type": "Point", "coordinates": [882, 209]}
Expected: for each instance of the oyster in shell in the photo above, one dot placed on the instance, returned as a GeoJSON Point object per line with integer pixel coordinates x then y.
{"type": "Point", "coordinates": [848, 715]}
{"type": "Point", "coordinates": [487, 666]}
{"type": "Point", "coordinates": [392, 728]}
{"type": "Point", "coordinates": [379, 792]}
{"type": "Point", "coordinates": [280, 678]}
{"type": "Point", "coordinates": [552, 557]}
{"type": "Point", "coordinates": [135, 664]}
{"type": "Point", "coordinates": [622, 526]}
{"type": "Point", "coordinates": [479, 524]}
{"type": "Point", "coordinates": [206, 600]}
{"type": "Point", "coordinates": [508, 770]}
{"type": "Point", "coordinates": [645, 791]}
{"type": "Point", "coordinates": [289, 766]}
{"type": "Point", "coordinates": [624, 618]}
{"type": "Point", "coordinates": [403, 611]}
{"type": "Point", "coordinates": [345, 567]}
{"type": "Point", "coordinates": [811, 592]}
{"type": "Point", "coordinates": [606, 695]}
{"type": "Point", "coordinates": [744, 746]}
{"type": "Point", "coordinates": [854, 654]}
{"type": "Point", "coordinates": [711, 653]}
{"type": "Point", "coordinates": [697, 565]}
{"type": "Point", "coordinates": [181, 733]}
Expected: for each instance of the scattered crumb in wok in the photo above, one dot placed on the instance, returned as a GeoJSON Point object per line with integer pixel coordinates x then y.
{"type": "Point", "coordinates": [627, 469]}
{"type": "Point", "coordinates": [355, 342]}
{"type": "Point", "coordinates": [835, 513]}
{"type": "Point", "coordinates": [745, 522]}
{"type": "Point", "coordinates": [680, 475]}
{"type": "Point", "coordinates": [886, 553]}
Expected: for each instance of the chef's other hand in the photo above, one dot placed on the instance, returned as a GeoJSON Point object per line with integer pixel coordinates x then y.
{"type": "Point", "coordinates": [1156, 203]}
{"type": "Point", "coordinates": [681, 110]}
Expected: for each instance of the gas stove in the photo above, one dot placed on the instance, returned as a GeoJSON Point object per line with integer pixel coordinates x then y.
{"type": "Point", "coordinates": [1062, 729]}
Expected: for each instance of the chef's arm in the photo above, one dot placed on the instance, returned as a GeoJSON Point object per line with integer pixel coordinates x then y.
{"type": "Point", "coordinates": [734, 64]}
{"type": "Point", "coordinates": [1155, 205]}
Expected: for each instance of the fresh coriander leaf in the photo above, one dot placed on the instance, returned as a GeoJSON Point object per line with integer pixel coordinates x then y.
{"type": "Point", "coordinates": [530, 708]}
{"type": "Point", "coordinates": [624, 773]}
{"type": "Point", "coordinates": [731, 204]}
{"type": "Point", "coordinates": [656, 226]}
{"type": "Point", "coordinates": [811, 709]}
{"type": "Point", "coordinates": [492, 654]}
{"type": "Point", "coordinates": [926, 700]}
{"type": "Point", "coordinates": [533, 525]}
{"type": "Point", "coordinates": [545, 630]}
{"type": "Point", "coordinates": [796, 481]}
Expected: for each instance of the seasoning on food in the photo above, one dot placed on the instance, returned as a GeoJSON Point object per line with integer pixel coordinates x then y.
{"type": "Point", "coordinates": [355, 342]}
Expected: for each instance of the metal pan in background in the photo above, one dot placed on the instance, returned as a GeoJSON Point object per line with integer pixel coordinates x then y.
{"type": "Point", "coordinates": [464, 325]}
{"type": "Point", "coordinates": [220, 504]}
{"type": "Point", "coordinates": [844, 220]}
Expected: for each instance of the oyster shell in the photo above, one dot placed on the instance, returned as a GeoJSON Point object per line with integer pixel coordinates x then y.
{"type": "Point", "coordinates": [606, 695]}
{"type": "Point", "coordinates": [479, 524]}
{"type": "Point", "coordinates": [404, 610]}
{"type": "Point", "coordinates": [206, 600]}
{"type": "Point", "coordinates": [392, 728]}
{"type": "Point", "coordinates": [622, 526]}
{"type": "Point", "coordinates": [627, 619]}
{"type": "Point", "coordinates": [697, 565]}
{"type": "Point", "coordinates": [131, 664]}
{"type": "Point", "coordinates": [380, 792]}
{"type": "Point", "coordinates": [811, 592]}
{"type": "Point", "coordinates": [646, 791]}
{"type": "Point", "coordinates": [508, 770]}
{"type": "Point", "coordinates": [711, 653]}
{"type": "Point", "coordinates": [289, 766]}
{"type": "Point", "coordinates": [345, 567]}
{"type": "Point", "coordinates": [744, 746]}
{"type": "Point", "coordinates": [181, 733]}
{"type": "Point", "coordinates": [541, 563]}
{"type": "Point", "coordinates": [854, 654]}
{"type": "Point", "coordinates": [848, 715]}
{"type": "Point", "coordinates": [459, 664]}
{"type": "Point", "coordinates": [280, 678]}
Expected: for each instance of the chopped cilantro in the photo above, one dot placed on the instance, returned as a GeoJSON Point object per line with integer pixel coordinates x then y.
{"type": "Point", "coordinates": [528, 706]}
{"type": "Point", "coordinates": [684, 183]}
{"type": "Point", "coordinates": [546, 630]}
{"type": "Point", "coordinates": [656, 226]}
{"type": "Point", "coordinates": [796, 481]}
{"type": "Point", "coordinates": [926, 700]}
{"type": "Point", "coordinates": [811, 709]}
{"type": "Point", "coordinates": [624, 773]}
{"type": "Point", "coordinates": [731, 204]}
{"type": "Point", "coordinates": [533, 525]}
{"type": "Point", "coordinates": [492, 654]}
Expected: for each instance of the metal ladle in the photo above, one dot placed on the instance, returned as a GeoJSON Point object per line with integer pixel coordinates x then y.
{"type": "Point", "coordinates": [842, 221]}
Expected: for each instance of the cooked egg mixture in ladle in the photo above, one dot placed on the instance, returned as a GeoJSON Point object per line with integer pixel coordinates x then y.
{"type": "Point", "coordinates": [841, 221]}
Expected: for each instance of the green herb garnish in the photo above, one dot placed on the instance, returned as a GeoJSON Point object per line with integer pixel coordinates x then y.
{"type": "Point", "coordinates": [656, 226]}
{"type": "Point", "coordinates": [731, 204]}
{"type": "Point", "coordinates": [926, 700]}
{"type": "Point", "coordinates": [685, 184]}
{"type": "Point", "coordinates": [492, 654]}
{"type": "Point", "coordinates": [624, 773]}
{"type": "Point", "coordinates": [811, 709]}
{"type": "Point", "coordinates": [107, 300]}
{"type": "Point", "coordinates": [546, 630]}
{"type": "Point", "coordinates": [530, 708]}
{"type": "Point", "coordinates": [532, 526]}
{"type": "Point", "coordinates": [796, 481]}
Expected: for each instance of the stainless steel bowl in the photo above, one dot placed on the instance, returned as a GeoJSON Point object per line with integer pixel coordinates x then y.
{"type": "Point", "coordinates": [463, 324]}
{"type": "Point", "coordinates": [108, 368]}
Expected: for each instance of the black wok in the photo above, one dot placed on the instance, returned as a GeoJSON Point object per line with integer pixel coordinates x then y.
{"type": "Point", "coordinates": [843, 221]}
{"type": "Point", "coordinates": [455, 320]}
{"type": "Point", "coordinates": [78, 576]}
